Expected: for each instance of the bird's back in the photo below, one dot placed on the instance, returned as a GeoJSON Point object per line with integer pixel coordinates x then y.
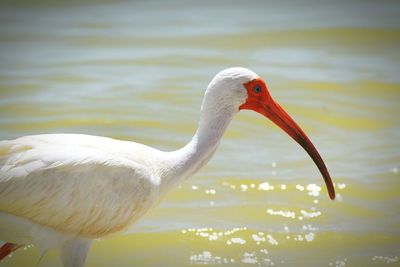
{"type": "Point", "coordinates": [80, 184]}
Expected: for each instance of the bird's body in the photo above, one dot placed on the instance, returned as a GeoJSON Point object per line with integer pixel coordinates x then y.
{"type": "Point", "coordinates": [63, 190]}
{"type": "Point", "coordinates": [97, 183]}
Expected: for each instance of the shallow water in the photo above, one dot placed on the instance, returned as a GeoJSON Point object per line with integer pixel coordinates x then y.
{"type": "Point", "coordinates": [138, 70]}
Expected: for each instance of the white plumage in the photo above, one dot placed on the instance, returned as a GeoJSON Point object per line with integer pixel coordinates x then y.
{"type": "Point", "coordinates": [88, 185]}
{"type": "Point", "coordinates": [63, 190]}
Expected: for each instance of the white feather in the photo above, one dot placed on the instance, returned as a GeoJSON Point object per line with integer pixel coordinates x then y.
{"type": "Point", "coordinates": [85, 185]}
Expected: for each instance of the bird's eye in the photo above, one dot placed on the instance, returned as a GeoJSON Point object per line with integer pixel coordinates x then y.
{"type": "Point", "coordinates": [257, 89]}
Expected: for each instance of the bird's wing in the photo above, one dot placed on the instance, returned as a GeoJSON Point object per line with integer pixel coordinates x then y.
{"type": "Point", "coordinates": [75, 189]}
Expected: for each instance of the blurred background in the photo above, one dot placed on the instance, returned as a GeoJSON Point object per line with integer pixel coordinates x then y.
{"type": "Point", "coordinates": [137, 70]}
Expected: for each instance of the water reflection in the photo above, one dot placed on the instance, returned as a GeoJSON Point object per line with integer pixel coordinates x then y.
{"type": "Point", "coordinates": [247, 239]}
{"type": "Point", "coordinates": [339, 263]}
{"type": "Point", "coordinates": [385, 259]}
{"type": "Point", "coordinates": [394, 170]}
{"type": "Point", "coordinates": [236, 240]}
{"type": "Point", "coordinates": [312, 189]}
{"type": "Point", "coordinates": [265, 186]}
{"type": "Point", "coordinates": [255, 246]}
{"type": "Point", "coordinates": [206, 257]}
{"type": "Point", "coordinates": [249, 257]}
{"type": "Point", "coordinates": [287, 214]}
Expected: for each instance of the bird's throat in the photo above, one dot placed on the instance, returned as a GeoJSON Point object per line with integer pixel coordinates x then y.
{"type": "Point", "coordinates": [186, 161]}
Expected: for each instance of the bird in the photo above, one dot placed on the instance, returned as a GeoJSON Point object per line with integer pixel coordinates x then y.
{"type": "Point", "coordinates": [62, 191]}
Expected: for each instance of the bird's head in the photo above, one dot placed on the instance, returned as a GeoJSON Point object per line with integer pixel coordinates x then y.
{"type": "Point", "coordinates": [240, 88]}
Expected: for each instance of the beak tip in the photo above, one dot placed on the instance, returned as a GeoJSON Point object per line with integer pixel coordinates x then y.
{"type": "Point", "coordinates": [332, 194]}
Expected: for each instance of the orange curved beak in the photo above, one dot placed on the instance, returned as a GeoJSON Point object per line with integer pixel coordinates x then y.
{"type": "Point", "coordinates": [272, 110]}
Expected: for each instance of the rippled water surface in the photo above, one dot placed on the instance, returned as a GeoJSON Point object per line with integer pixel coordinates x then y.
{"type": "Point", "coordinates": [137, 71]}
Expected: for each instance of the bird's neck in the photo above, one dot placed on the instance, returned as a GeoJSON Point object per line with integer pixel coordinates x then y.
{"type": "Point", "coordinates": [184, 162]}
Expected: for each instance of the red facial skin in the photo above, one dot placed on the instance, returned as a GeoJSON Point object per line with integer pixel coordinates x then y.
{"type": "Point", "coordinates": [260, 100]}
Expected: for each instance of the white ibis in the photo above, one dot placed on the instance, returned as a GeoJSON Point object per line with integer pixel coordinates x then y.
{"type": "Point", "coordinates": [64, 190]}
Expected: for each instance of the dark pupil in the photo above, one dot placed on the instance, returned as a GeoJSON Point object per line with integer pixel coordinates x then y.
{"type": "Point", "coordinates": [257, 89]}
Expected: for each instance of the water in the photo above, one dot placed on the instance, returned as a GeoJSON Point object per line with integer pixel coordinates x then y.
{"type": "Point", "coordinates": [137, 71]}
